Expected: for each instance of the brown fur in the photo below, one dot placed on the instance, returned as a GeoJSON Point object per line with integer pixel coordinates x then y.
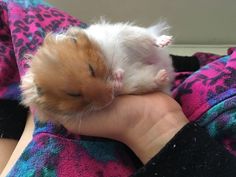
{"type": "Point", "coordinates": [61, 69]}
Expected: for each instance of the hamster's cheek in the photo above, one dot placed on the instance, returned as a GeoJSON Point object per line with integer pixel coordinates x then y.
{"type": "Point", "coordinates": [105, 100]}
{"type": "Point", "coordinates": [65, 106]}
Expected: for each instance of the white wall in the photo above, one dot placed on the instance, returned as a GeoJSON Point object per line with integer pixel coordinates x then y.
{"type": "Point", "coordinates": [192, 21]}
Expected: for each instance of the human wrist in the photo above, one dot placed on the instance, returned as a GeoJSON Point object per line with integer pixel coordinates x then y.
{"type": "Point", "coordinates": [147, 139]}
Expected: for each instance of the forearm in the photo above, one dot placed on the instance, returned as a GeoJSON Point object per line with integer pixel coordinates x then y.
{"type": "Point", "coordinates": [23, 142]}
{"type": "Point", "coordinates": [7, 146]}
{"type": "Point", "coordinates": [191, 152]}
{"type": "Point", "coordinates": [148, 138]}
{"type": "Point", "coordinates": [12, 123]}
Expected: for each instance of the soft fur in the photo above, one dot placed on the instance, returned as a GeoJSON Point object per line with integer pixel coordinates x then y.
{"type": "Point", "coordinates": [81, 70]}
{"type": "Point", "coordinates": [136, 51]}
{"type": "Point", "coordinates": [60, 79]}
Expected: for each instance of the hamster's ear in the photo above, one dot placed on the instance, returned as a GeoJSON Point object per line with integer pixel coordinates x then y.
{"type": "Point", "coordinates": [30, 91]}
{"type": "Point", "coordinates": [49, 39]}
{"type": "Point", "coordinates": [73, 31]}
{"type": "Point", "coordinates": [76, 34]}
{"type": "Point", "coordinates": [80, 38]}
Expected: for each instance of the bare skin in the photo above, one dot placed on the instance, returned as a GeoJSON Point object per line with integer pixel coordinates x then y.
{"type": "Point", "coordinates": [145, 123]}
{"type": "Point", "coordinates": [23, 142]}
{"type": "Point", "coordinates": [7, 146]}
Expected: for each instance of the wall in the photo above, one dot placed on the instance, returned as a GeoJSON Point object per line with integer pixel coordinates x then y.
{"type": "Point", "coordinates": [192, 21]}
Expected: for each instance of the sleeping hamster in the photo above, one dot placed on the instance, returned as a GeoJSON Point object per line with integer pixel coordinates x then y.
{"type": "Point", "coordinates": [136, 56]}
{"type": "Point", "coordinates": [82, 70]}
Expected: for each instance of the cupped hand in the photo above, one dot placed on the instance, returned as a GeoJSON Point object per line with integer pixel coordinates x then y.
{"type": "Point", "coordinates": [144, 122]}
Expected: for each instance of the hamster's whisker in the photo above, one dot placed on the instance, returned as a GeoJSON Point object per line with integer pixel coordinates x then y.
{"type": "Point", "coordinates": [80, 123]}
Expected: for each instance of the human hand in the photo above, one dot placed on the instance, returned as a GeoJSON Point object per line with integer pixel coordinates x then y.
{"type": "Point", "coordinates": [143, 122]}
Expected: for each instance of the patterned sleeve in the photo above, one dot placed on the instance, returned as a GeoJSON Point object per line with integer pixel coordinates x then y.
{"type": "Point", "coordinates": [12, 114]}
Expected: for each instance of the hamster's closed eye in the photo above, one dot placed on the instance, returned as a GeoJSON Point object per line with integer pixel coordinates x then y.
{"type": "Point", "coordinates": [91, 70]}
{"type": "Point", "coordinates": [77, 95]}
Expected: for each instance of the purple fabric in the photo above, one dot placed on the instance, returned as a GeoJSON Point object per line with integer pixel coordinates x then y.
{"type": "Point", "coordinates": [208, 96]}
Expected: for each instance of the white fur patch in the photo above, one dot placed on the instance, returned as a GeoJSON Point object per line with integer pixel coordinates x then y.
{"type": "Point", "coordinates": [60, 37]}
{"type": "Point", "coordinates": [28, 88]}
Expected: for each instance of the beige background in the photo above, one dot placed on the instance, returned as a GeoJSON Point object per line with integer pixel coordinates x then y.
{"type": "Point", "coordinates": [193, 21]}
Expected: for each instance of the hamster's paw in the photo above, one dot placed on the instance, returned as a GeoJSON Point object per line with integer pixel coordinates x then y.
{"type": "Point", "coordinates": [163, 41]}
{"type": "Point", "coordinates": [118, 78]}
{"type": "Point", "coordinates": [162, 78]}
{"type": "Point", "coordinates": [118, 74]}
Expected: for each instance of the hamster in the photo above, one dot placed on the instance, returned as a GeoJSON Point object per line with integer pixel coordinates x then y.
{"type": "Point", "coordinates": [82, 70]}
{"type": "Point", "coordinates": [136, 55]}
